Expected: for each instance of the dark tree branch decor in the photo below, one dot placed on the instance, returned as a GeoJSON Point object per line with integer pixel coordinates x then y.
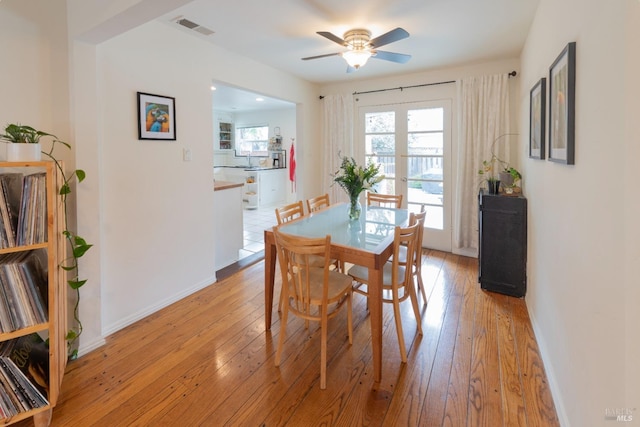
{"type": "Point", "coordinates": [77, 244]}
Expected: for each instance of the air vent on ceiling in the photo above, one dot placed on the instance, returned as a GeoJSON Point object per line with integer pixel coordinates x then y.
{"type": "Point", "coordinates": [193, 26]}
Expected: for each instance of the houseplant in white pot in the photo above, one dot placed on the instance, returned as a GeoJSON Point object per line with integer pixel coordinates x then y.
{"type": "Point", "coordinates": [23, 143]}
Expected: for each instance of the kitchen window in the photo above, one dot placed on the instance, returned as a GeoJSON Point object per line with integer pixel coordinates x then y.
{"type": "Point", "coordinates": [252, 141]}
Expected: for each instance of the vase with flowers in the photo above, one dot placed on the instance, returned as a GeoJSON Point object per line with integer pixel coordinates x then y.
{"type": "Point", "coordinates": [354, 179]}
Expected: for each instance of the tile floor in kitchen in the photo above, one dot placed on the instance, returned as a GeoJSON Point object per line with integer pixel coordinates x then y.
{"type": "Point", "coordinates": [255, 222]}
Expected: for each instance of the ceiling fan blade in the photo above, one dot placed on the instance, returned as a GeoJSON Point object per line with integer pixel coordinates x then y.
{"type": "Point", "coordinates": [390, 37]}
{"type": "Point", "coordinates": [392, 56]}
{"type": "Point", "coordinates": [332, 37]}
{"type": "Point", "coordinates": [320, 56]}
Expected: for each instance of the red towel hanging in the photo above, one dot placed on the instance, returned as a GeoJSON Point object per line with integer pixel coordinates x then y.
{"type": "Point", "coordinates": [292, 167]}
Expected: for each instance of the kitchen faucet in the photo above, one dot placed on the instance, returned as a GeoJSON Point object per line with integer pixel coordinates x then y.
{"type": "Point", "coordinates": [249, 159]}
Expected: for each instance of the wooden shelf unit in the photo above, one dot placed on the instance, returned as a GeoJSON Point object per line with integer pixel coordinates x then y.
{"type": "Point", "coordinates": [56, 325]}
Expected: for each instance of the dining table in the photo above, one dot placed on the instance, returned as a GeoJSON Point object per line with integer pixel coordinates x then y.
{"type": "Point", "coordinates": [367, 241]}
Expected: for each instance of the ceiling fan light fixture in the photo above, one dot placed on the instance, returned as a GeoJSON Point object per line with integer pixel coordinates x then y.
{"type": "Point", "coordinates": [356, 58]}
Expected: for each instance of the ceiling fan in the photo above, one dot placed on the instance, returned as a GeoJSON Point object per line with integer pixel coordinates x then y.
{"type": "Point", "coordinates": [360, 47]}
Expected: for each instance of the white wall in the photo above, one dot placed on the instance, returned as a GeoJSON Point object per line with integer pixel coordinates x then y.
{"type": "Point", "coordinates": [583, 219]}
{"type": "Point", "coordinates": [34, 50]}
{"type": "Point", "coordinates": [156, 210]}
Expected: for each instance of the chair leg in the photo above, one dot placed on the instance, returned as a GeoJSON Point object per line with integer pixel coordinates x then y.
{"type": "Point", "coordinates": [396, 315]}
{"type": "Point", "coordinates": [283, 330]}
{"type": "Point", "coordinates": [323, 351]}
{"type": "Point", "coordinates": [416, 311]}
{"type": "Point", "coordinates": [350, 317]}
{"type": "Point", "coordinates": [421, 287]}
{"type": "Point", "coordinates": [281, 301]}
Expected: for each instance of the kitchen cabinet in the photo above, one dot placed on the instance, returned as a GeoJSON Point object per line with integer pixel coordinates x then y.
{"type": "Point", "coordinates": [223, 132]}
{"type": "Point", "coordinates": [263, 186]}
{"type": "Point", "coordinates": [271, 186]}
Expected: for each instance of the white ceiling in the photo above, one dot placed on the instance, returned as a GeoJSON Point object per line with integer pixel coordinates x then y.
{"type": "Point", "coordinates": [443, 33]}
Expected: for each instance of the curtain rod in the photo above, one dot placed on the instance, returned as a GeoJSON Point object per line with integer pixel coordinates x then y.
{"type": "Point", "coordinates": [511, 74]}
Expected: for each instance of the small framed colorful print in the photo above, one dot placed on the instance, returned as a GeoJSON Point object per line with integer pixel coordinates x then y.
{"type": "Point", "coordinates": [156, 117]}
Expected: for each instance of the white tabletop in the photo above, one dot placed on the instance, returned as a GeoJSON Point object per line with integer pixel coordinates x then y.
{"type": "Point", "coordinates": [375, 226]}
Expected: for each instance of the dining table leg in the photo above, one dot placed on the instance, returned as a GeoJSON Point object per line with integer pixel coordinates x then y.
{"type": "Point", "coordinates": [269, 276]}
{"type": "Point", "coordinates": [375, 318]}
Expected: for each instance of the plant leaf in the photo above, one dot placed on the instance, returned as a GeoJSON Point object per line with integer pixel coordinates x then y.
{"type": "Point", "coordinates": [79, 251]}
{"type": "Point", "coordinates": [79, 241]}
{"type": "Point", "coordinates": [65, 189]}
{"type": "Point", "coordinates": [81, 175]}
{"type": "Point", "coordinates": [76, 284]}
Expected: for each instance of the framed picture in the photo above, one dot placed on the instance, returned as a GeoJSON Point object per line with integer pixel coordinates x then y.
{"type": "Point", "coordinates": [537, 103]}
{"type": "Point", "coordinates": [562, 106]}
{"type": "Point", "coordinates": [156, 117]}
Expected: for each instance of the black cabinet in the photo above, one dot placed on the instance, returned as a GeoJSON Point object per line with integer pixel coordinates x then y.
{"type": "Point", "coordinates": [502, 243]}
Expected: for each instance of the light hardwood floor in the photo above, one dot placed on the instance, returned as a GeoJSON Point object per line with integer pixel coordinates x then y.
{"type": "Point", "coordinates": [207, 361]}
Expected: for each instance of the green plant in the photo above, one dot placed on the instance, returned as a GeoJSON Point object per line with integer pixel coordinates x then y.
{"type": "Point", "coordinates": [354, 179]}
{"type": "Point", "coordinates": [515, 175]}
{"type": "Point", "coordinates": [488, 168]}
{"type": "Point", "coordinates": [26, 134]}
{"type": "Point", "coordinates": [21, 134]}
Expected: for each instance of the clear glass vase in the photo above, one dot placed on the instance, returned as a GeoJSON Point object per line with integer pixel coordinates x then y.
{"type": "Point", "coordinates": [355, 208]}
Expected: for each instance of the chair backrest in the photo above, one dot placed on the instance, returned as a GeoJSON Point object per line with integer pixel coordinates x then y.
{"type": "Point", "coordinates": [317, 203]}
{"type": "Point", "coordinates": [384, 200]}
{"type": "Point", "coordinates": [289, 212]}
{"type": "Point", "coordinates": [418, 218]}
{"type": "Point", "coordinates": [299, 267]}
{"type": "Point", "coordinates": [408, 237]}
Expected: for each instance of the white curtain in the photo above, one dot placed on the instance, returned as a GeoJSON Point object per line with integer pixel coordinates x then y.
{"type": "Point", "coordinates": [337, 128]}
{"type": "Point", "coordinates": [483, 126]}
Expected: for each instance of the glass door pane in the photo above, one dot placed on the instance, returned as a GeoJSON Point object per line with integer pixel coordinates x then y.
{"type": "Point", "coordinates": [380, 147]}
{"type": "Point", "coordinates": [425, 152]}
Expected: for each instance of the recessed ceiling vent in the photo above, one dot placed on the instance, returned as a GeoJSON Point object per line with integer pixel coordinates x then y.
{"type": "Point", "coordinates": [193, 26]}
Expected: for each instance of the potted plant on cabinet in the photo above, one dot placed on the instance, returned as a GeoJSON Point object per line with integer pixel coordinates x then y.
{"type": "Point", "coordinates": [507, 176]}
{"type": "Point", "coordinates": [22, 135]}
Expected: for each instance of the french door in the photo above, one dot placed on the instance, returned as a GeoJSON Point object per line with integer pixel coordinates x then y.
{"type": "Point", "coordinates": [412, 142]}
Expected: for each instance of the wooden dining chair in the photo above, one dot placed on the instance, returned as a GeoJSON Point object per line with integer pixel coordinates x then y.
{"type": "Point", "coordinates": [317, 203]}
{"type": "Point", "coordinates": [306, 285]}
{"type": "Point", "coordinates": [384, 200]}
{"type": "Point", "coordinates": [416, 259]}
{"type": "Point", "coordinates": [289, 212]}
{"type": "Point", "coordinates": [397, 281]}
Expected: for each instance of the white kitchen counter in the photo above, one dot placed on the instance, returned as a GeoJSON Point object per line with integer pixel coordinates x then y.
{"type": "Point", "coordinates": [228, 229]}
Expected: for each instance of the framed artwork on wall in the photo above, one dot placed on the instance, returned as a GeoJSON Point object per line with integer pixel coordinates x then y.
{"type": "Point", "coordinates": [156, 117]}
{"type": "Point", "coordinates": [562, 106]}
{"type": "Point", "coordinates": [537, 111]}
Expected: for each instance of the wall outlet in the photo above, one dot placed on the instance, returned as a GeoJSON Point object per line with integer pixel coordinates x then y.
{"type": "Point", "coordinates": [186, 154]}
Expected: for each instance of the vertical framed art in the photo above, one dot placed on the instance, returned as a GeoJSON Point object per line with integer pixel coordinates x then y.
{"type": "Point", "coordinates": [562, 95]}
{"type": "Point", "coordinates": [156, 117]}
{"type": "Point", "coordinates": [537, 103]}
